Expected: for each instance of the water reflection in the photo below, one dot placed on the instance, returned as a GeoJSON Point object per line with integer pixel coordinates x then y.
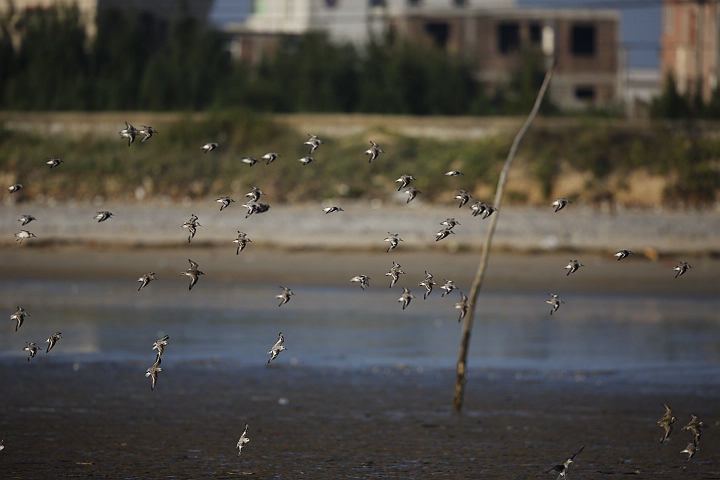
{"type": "Point", "coordinates": [350, 327]}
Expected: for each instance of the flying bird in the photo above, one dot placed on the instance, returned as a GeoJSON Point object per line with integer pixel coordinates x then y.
{"type": "Point", "coordinates": [23, 234]}
{"type": "Point", "coordinates": [478, 208]}
{"type": "Point", "coordinates": [443, 234]}
{"type": "Point", "coordinates": [364, 280]}
{"type": "Point", "coordinates": [666, 422]}
{"type": "Point", "coordinates": [306, 159]}
{"type": "Point", "coordinates": [573, 266]}
{"type": "Point", "coordinates": [694, 426]}
{"type": "Point", "coordinates": [145, 279]}
{"type": "Point", "coordinates": [153, 371]}
{"type": "Point", "coordinates": [405, 298]}
{"type": "Point", "coordinates": [243, 440]}
{"type": "Point", "coordinates": [560, 203]}
{"type": "Point", "coordinates": [554, 302]}
{"type": "Point", "coordinates": [454, 173]}
{"type": "Point", "coordinates": [160, 344]}
{"type": "Point", "coordinates": [463, 196]}
{"type": "Point", "coordinates": [404, 181]}
{"type": "Point", "coordinates": [19, 317]}
{"type": "Point", "coordinates": [448, 287]}
{"type": "Point", "coordinates": [249, 160]}
{"type": "Point", "coordinates": [15, 187]}
{"type": "Point", "coordinates": [193, 273]}
{"type": "Point", "coordinates": [191, 225]}
{"type": "Point", "coordinates": [52, 339]}
{"type": "Point", "coordinates": [623, 254]}
{"type": "Point", "coordinates": [147, 131]}
{"type": "Point", "coordinates": [209, 147]}
{"type": "Point", "coordinates": [394, 273]}
{"type": "Point", "coordinates": [563, 468]}
{"type": "Point", "coordinates": [270, 157]}
{"type": "Point", "coordinates": [128, 132]}
{"type": "Point", "coordinates": [373, 151]}
{"type": "Point", "coordinates": [277, 348]}
{"type": "Point", "coordinates": [463, 306]}
{"type": "Point", "coordinates": [412, 192]}
{"type": "Point", "coordinates": [254, 195]}
{"type": "Point", "coordinates": [53, 162]}
{"type": "Point", "coordinates": [394, 239]}
{"type": "Point", "coordinates": [25, 219]}
{"type": "Point", "coordinates": [284, 296]}
{"type": "Point", "coordinates": [691, 450]}
{"type": "Point", "coordinates": [224, 202]}
{"type": "Point", "coordinates": [428, 284]}
{"type": "Point", "coordinates": [332, 209]}
{"type": "Point", "coordinates": [681, 268]}
{"type": "Point", "coordinates": [450, 223]}
{"type": "Point", "coordinates": [314, 143]}
{"type": "Point", "coordinates": [241, 240]}
{"type": "Point", "coordinates": [32, 348]}
{"type": "Point", "coordinates": [102, 216]}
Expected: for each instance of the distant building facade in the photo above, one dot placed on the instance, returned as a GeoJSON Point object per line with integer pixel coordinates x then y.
{"type": "Point", "coordinates": [690, 45]}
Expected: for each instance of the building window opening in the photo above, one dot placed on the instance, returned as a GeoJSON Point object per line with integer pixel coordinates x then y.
{"type": "Point", "coordinates": [508, 37]}
{"type": "Point", "coordinates": [585, 93]}
{"type": "Point", "coordinates": [439, 32]}
{"type": "Point", "coordinates": [582, 40]}
{"type": "Point", "coordinates": [535, 34]}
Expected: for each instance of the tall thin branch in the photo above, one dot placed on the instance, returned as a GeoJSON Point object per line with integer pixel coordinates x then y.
{"type": "Point", "coordinates": [460, 378]}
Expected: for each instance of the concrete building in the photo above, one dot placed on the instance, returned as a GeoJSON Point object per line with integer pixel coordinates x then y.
{"type": "Point", "coordinates": [690, 45]}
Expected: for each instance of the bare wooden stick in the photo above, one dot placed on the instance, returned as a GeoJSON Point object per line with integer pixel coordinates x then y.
{"type": "Point", "coordinates": [460, 378]}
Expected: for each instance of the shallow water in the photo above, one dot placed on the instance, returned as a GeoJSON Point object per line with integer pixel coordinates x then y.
{"type": "Point", "coordinates": [351, 328]}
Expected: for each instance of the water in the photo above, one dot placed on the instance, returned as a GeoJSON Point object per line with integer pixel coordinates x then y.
{"type": "Point", "coordinates": [351, 328]}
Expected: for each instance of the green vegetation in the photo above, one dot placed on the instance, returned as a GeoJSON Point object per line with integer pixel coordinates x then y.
{"type": "Point", "coordinates": [172, 165]}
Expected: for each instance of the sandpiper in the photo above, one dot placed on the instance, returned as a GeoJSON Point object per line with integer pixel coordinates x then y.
{"type": "Point", "coordinates": [332, 209]}
{"type": "Point", "coordinates": [249, 160]}
{"type": "Point", "coordinates": [681, 268]}
{"type": "Point", "coordinates": [573, 266]}
{"type": "Point", "coordinates": [254, 207]}
{"type": "Point", "coordinates": [562, 469]}
{"type": "Point", "coordinates": [462, 305]}
{"type": "Point", "coordinates": [373, 151]}
{"type": "Point", "coordinates": [428, 284]}
{"type": "Point", "coordinates": [394, 273]}
{"type": "Point", "coordinates": [394, 239]}
{"type": "Point", "coordinates": [284, 296]}
{"type": "Point", "coordinates": [404, 181]}
{"type": "Point", "coordinates": [224, 202]}
{"type": "Point", "coordinates": [306, 159]}
{"type": "Point", "coordinates": [193, 273]}
{"type": "Point", "coordinates": [691, 450]}
{"type": "Point", "coordinates": [25, 219]}
{"type": "Point", "coordinates": [478, 208]}
{"type": "Point", "coordinates": [160, 344]}
{"type": "Point", "coordinates": [623, 254]}
{"type": "Point", "coordinates": [102, 216]}
{"type": "Point", "coordinates": [191, 226]}
{"type": "Point", "coordinates": [32, 348]}
{"type": "Point", "coordinates": [148, 131]}
{"type": "Point", "coordinates": [243, 440]}
{"type": "Point", "coordinates": [453, 173]}
{"type": "Point", "coordinates": [209, 147]}
{"type": "Point", "coordinates": [270, 157]}
{"type": "Point", "coordinates": [405, 298]}
{"type": "Point", "coordinates": [442, 234]}
{"type": "Point", "coordinates": [277, 348]}
{"type": "Point", "coordinates": [450, 223]}
{"type": "Point", "coordinates": [153, 371]}
{"type": "Point", "coordinates": [145, 279]}
{"type": "Point", "coordinates": [52, 339]}
{"type": "Point", "coordinates": [23, 234]}
{"type": "Point", "coordinates": [2, 444]}
{"type": "Point", "coordinates": [554, 302]}
{"type": "Point", "coordinates": [242, 241]}
{"type": "Point", "coordinates": [694, 426]}
{"type": "Point", "coordinates": [53, 162]}
{"type": "Point", "coordinates": [314, 143]}
{"type": "Point", "coordinates": [128, 132]}
{"type": "Point", "coordinates": [666, 422]}
{"type": "Point", "coordinates": [463, 196]}
{"type": "Point", "coordinates": [254, 195]}
{"type": "Point", "coordinates": [364, 280]}
{"type": "Point", "coordinates": [19, 317]}
{"type": "Point", "coordinates": [15, 187]}
{"type": "Point", "coordinates": [448, 287]}
{"type": "Point", "coordinates": [489, 211]}
{"type": "Point", "coordinates": [560, 203]}
{"type": "Point", "coordinates": [411, 193]}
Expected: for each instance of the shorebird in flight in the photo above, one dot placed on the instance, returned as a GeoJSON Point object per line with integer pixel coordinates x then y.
{"type": "Point", "coordinates": [148, 131]}
{"type": "Point", "coordinates": [224, 202]}
{"type": "Point", "coordinates": [448, 287]}
{"type": "Point", "coordinates": [241, 240]}
{"type": "Point", "coordinates": [394, 239]}
{"type": "Point", "coordinates": [443, 234]}
{"type": "Point", "coordinates": [691, 450]}
{"type": "Point", "coordinates": [23, 234]}
{"type": "Point", "coordinates": [681, 268]}
{"type": "Point", "coordinates": [314, 143]}
{"type": "Point", "coordinates": [15, 187]}
{"type": "Point", "coordinates": [52, 339]}
{"type": "Point", "coordinates": [102, 216]}
{"type": "Point", "coordinates": [306, 159]}
{"type": "Point", "coordinates": [405, 298]}
{"type": "Point", "coordinates": [25, 219]}
{"type": "Point", "coordinates": [153, 371]}
{"type": "Point", "coordinates": [128, 132]}
{"type": "Point", "coordinates": [364, 280]}
{"type": "Point", "coordinates": [453, 173]}
{"type": "Point", "coordinates": [478, 208]}
{"type": "Point", "coordinates": [53, 162]}
{"type": "Point", "coordinates": [412, 192]}
{"type": "Point", "coordinates": [463, 306]}
{"type": "Point", "coordinates": [277, 348]}
{"type": "Point", "coordinates": [191, 225]}
{"type": "Point", "coordinates": [284, 296]}
{"type": "Point", "coordinates": [428, 284]}
{"type": "Point", "coordinates": [560, 203]}
{"type": "Point", "coordinates": [666, 422]}
{"type": "Point", "coordinates": [254, 195]}
{"type": "Point", "coordinates": [332, 209]}
{"type": "Point", "coordinates": [32, 348]}
{"type": "Point", "coordinates": [243, 440]}
{"type": "Point", "coordinates": [270, 157]}
{"type": "Point", "coordinates": [373, 151]}
{"type": "Point", "coordinates": [255, 207]}
{"type": "Point", "coordinates": [489, 210]}
{"type": "Point", "coordinates": [694, 426]}
{"type": "Point", "coordinates": [554, 302]}
{"type": "Point", "coordinates": [209, 147]}
{"type": "Point", "coordinates": [573, 266]}
{"type": "Point", "coordinates": [160, 344]}
{"type": "Point", "coordinates": [450, 223]}
{"type": "Point", "coordinates": [623, 254]}
{"type": "Point", "coordinates": [193, 273]}
{"type": "Point", "coordinates": [249, 160]}
{"type": "Point", "coordinates": [463, 196]}
{"type": "Point", "coordinates": [145, 279]}
{"type": "Point", "coordinates": [563, 468]}
{"type": "Point", "coordinates": [19, 317]}
{"type": "Point", "coordinates": [394, 273]}
{"type": "Point", "coordinates": [404, 181]}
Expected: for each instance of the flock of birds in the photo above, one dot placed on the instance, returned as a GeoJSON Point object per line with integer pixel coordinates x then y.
{"type": "Point", "coordinates": [254, 206]}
